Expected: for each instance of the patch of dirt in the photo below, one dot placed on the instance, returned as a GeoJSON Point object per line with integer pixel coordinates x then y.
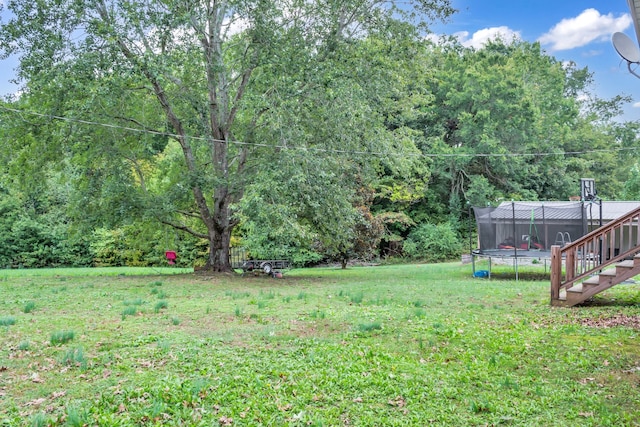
{"type": "Point", "coordinates": [617, 320]}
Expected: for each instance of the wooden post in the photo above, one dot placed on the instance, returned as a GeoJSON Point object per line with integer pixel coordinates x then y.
{"type": "Point", "coordinates": [556, 272]}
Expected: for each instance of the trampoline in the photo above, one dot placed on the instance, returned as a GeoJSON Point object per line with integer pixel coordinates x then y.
{"type": "Point", "coordinates": [527, 229]}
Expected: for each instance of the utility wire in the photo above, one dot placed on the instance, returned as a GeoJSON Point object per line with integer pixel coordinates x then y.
{"type": "Point", "coordinates": [314, 149]}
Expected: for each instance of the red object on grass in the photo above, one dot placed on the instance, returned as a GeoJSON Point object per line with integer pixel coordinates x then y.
{"type": "Point", "coordinates": [171, 256]}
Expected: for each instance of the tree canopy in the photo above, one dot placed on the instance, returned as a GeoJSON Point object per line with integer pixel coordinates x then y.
{"type": "Point", "coordinates": [311, 130]}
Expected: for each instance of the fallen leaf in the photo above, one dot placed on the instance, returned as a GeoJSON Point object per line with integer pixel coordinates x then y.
{"type": "Point", "coordinates": [225, 421]}
{"type": "Point", "coordinates": [36, 402]}
{"type": "Point", "coordinates": [398, 402]}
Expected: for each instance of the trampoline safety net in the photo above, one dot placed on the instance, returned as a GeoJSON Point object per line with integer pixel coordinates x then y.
{"type": "Point", "coordinates": [516, 228]}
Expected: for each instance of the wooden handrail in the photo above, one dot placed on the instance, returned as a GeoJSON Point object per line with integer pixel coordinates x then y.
{"type": "Point", "coordinates": [595, 251]}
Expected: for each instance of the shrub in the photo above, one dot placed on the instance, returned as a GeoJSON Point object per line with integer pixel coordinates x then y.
{"type": "Point", "coordinates": [433, 242]}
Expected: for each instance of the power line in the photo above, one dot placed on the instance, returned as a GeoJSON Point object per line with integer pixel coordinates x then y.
{"type": "Point", "coordinates": [314, 149]}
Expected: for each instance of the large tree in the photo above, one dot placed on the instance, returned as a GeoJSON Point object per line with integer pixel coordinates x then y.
{"type": "Point", "coordinates": [212, 69]}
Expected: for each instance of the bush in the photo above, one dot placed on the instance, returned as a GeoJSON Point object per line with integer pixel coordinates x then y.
{"type": "Point", "coordinates": [433, 242]}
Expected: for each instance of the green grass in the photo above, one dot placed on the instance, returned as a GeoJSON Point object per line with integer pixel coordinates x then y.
{"type": "Point", "coordinates": [389, 345]}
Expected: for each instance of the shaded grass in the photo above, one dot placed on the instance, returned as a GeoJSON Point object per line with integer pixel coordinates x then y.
{"type": "Point", "coordinates": [419, 345]}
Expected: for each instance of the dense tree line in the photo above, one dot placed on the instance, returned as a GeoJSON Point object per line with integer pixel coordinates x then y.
{"type": "Point", "coordinates": [325, 130]}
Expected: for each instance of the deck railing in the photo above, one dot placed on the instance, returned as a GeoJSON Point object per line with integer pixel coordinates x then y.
{"type": "Point", "coordinates": [595, 251]}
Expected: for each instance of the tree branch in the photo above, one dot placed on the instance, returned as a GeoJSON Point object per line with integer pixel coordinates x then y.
{"type": "Point", "coordinates": [184, 228]}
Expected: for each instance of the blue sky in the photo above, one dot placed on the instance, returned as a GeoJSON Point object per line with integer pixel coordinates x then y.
{"type": "Point", "coordinates": [576, 30]}
{"type": "Point", "coordinates": [571, 30]}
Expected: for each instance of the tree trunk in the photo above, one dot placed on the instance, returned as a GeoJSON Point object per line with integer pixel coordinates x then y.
{"type": "Point", "coordinates": [219, 228]}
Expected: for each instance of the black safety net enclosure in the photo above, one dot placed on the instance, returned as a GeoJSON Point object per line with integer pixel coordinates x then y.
{"type": "Point", "coordinates": [525, 229]}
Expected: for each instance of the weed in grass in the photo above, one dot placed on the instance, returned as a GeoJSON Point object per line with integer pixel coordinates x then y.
{"type": "Point", "coordinates": [368, 327]}
{"type": "Point", "coordinates": [160, 305]}
{"type": "Point", "coordinates": [24, 345]}
{"type": "Point", "coordinates": [137, 301]}
{"type": "Point", "coordinates": [7, 321]}
{"type": "Point", "coordinates": [418, 303]}
{"type": "Point", "coordinates": [61, 337]}
{"type": "Point", "coordinates": [129, 311]}
{"type": "Point", "coordinates": [38, 420]}
{"type": "Point", "coordinates": [318, 314]}
{"type": "Point", "coordinates": [156, 283]}
{"type": "Point", "coordinates": [381, 301]}
{"type": "Point", "coordinates": [267, 295]}
{"type": "Point", "coordinates": [254, 316]}
{"type": "Point", "coordinates": [157, 408]}
{"type": "Point", "coordinates": [29, 307]}
{"type": "Point", "coordinates": [175, 321]}
{"type": "Point", "coordinates": [356, 298]}
{"type": "Point", "coordinates": [420, 313]}
{"type": "Point", "coordinates": [208, 310]}
{"type": "Point", "coordinates": [286, 299]}
{"type": "Point", "coordinates": [508, 383]}
{"type": "Point", "coordinates": [302, 295]}
{"type": "Point", "coordinates": [164, 345]}
{"type": "Point", "coordinates": [238, 311]}
{"type": "Point", "coordinates": [74, 357]}
{"type": "Point", "coordinates": [262, 304]}
{"type": "Point", "coordinates": [154, 291]}
{"type": "Point", "coordinates": [477, 407]}
{"type": "Point", "coordinates": [76, 417]}
{"type": "Point", "coordinates": [237, 295]}
{"type": "Point", "coordinates": [162, 295]}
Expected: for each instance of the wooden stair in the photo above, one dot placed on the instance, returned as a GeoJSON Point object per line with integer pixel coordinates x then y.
{"type": "Point", "coordinates": [587, 267]}
{"type": "Point", "coordinates": [599, 282]}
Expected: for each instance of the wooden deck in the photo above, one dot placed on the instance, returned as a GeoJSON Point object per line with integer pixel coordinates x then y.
{"type": "Point", "coordinates": [603, 258]}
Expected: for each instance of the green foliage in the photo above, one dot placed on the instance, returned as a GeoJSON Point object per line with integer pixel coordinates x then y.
{"type": "Point", "coordinates": [631, 189]}
{"type": "Point", "coordinates": [433, 242]}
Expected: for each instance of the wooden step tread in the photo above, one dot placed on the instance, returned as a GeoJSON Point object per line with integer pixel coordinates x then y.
{"type": "Point", "coordinates": [626, 264]}
{"type": "Point", "coordinates": [576, 288]}
{"type": "Point", "coordinates": [595, 280]}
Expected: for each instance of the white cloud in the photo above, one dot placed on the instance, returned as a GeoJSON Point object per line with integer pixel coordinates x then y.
{"type": "Point", "coordinates": [481, 37]}
{"type": "Point", "coordinates": [636, 105]}
{"type": "Point", "coordinates": [590, 25]}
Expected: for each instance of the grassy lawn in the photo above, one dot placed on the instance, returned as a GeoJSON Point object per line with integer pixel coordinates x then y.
{"type": "Point", "coordinates": [377, 346]}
